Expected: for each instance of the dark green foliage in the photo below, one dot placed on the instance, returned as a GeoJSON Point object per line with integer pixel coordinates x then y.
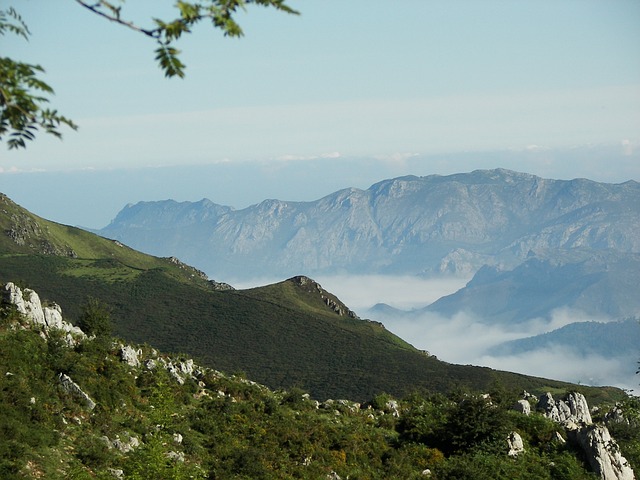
{"type": "Point", "coordinates": [456, 424]}
{"type": "Point", "coordinates": [95, 319]}
{"type": "Point", "coordinates": [626, 430]}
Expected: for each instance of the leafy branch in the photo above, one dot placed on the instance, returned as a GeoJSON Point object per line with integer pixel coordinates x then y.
{"type": "Point", "coordinates": [219, 12]}
{"type": "Point", "coordinates": [23, 94]}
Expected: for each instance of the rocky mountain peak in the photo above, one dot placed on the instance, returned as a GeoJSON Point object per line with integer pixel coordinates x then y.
{"type": "Point", "coordinates": [311, 286]}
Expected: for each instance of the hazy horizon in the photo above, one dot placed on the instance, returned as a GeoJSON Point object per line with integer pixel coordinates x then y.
{"type": "Point", "coordinates": [91, 198]}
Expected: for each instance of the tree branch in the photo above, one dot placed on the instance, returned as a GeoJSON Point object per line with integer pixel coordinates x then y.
{"type": "Point", "coordinates": [95, 8]}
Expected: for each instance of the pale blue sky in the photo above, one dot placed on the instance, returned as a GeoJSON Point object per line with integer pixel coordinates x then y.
{"type": "Point", "coordinates": [346, 94]}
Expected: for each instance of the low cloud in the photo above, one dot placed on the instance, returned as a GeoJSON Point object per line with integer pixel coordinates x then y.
{"type": "Point", "coordinates": [466, 339]}
{"type": "Point", "coordinates": [405, 292]}
{"type": "Point", "coordinates": [561, 363]}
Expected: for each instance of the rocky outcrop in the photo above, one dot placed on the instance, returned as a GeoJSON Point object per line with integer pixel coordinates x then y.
{"type": "Point", "coordinates": [574, 409]}
{"type": "Point", "coordinates": [603, 453]}
{"type": "Point", "coordinates": [523, 406]}
{"type": "Point", "coordinates": [130, 355]}
{"type": "Point", "coordinates": [600, 449]}
{"type": "Point", "coordinates": [49, 317]}
{"type": "Point", "coordinates": [26, 230]}
{"type": "Point", "coordinates": [126, 445]}
{"type": "Point", "coordinates": [329, 300]}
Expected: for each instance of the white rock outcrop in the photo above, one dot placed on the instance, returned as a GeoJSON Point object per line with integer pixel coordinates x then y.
{"type": "Point", "coordinates": [523, 406]}
{"type": "Point", "coordinates": [516, 445]}
{"type": "Point", "coordinates": [130, 355]}
{"type": "Point", "coordinates": [601, 450]}
{"type": "Point", "coordinates": [575, 409]}
{"type": "Point", "coordinates": [603, 453]}
{"type": "Point", "coordinates": [27, 302]}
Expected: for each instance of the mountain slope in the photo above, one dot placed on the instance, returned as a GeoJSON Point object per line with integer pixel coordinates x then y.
{"type": "Point", "coordinates": [598, 284]}
{"type": "Point", "coordinates": [409, 225]}
{"type": "Point", "coordinates": [582, 338]}
{"type": "Point", "coordinates": [282, 335]}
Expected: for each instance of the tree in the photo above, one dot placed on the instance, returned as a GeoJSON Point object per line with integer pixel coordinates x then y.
{"type": "Point", "coordinates": [95, 319]}
{"type": "Point", "coordinates": [23, 95]}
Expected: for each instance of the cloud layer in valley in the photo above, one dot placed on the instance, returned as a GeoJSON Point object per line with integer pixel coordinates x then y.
{"type": "Point", "coordinates": [466, 339]}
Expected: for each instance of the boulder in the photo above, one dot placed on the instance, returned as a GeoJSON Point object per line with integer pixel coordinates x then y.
{"type": "Point", "coordinates": [74, 390]}
{"type": "Point", "coordinates": [523, 406]}
{"type": "Point", "coordinates": [175, 456]}
{"type": "Point", "coordinates": [129, 355]}
{"type": "Point", "coordinates": [516, 445]}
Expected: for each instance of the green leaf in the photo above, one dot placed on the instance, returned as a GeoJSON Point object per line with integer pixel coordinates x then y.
{"type": "Point", "coordinates": [167, 57]}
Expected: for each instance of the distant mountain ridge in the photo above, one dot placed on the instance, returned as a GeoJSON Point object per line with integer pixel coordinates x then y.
{"type": "Point", "coordinates": [598, 283]}
{"type": "Point", "coordinates": [407, 225]}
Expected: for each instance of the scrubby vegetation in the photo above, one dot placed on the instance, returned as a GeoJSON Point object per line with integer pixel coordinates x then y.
{"type": "Point", "coordinates": [160, 417]}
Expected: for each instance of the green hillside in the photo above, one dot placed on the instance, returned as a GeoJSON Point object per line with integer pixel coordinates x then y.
{"type": "Point", "coordinates": [283, 335]}
{"type": "Point", "coordinates": [145, 422]}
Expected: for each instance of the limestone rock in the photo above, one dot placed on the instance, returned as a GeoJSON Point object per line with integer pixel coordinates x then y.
{"type": "Point", "coordinates": [523, 406]}
{"type": "Point", "coordinates": [615, 415]}
{"type": "Point", "coordinates": [53, 316]}
{"type": "Point", "coordinates": [74, 389]}
{"type": "Point", "coordinates": [129, 355]}
{"type": "Point", "coordinates": [392, 407]}
{"type": "Point", "coordinates": [175, 456]}
{"type": "Point", "coordinates": [574, 409]}
{"type": "Point", "coordinates": [116, 472]}
{"type": "Point", "coordinates": [28, 303]}
{"type": "Point", "coordinates": [123, 446]}
{"type": "Point", "coordinates": [603, 453]}
{"type": "Point", "coordinates": [12, 295]}
{"type": "Point", "coordinates": [516, 445]}
{"type": "Point", "coordinates": [579, 408]}
{"type": "Point", "coordinates": [33, 306]}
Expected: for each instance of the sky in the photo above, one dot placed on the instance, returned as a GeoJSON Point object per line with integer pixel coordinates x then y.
{"type": "Point", "coordinates": [343, 95]}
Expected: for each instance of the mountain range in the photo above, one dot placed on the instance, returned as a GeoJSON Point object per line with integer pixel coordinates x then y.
{"type": "Point", "coordinates": [408, 225]}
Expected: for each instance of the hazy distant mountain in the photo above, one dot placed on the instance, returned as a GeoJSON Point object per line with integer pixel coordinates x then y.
{"type": "Point", "coordinates": [583, 338]}
{"type": "Point", "coordinates": [596, 283]}
{"type": "Point", "coordinates": [410, 225]}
